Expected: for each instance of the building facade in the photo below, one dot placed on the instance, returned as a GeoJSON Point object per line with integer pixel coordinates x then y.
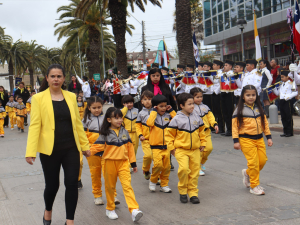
{"type": "Point", "coordinates": [220, 27]}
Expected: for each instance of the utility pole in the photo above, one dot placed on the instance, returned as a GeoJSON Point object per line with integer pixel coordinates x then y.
{"type": "Point", "coordinates": [79, 56]}
{"type": "Point", "coordinates": [103, 59]}
{"type": "Point", "coordinates": [143, 40]}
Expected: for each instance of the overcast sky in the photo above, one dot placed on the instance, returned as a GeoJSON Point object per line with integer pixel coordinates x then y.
{"type": "Point", "coordinates": [35, 19]}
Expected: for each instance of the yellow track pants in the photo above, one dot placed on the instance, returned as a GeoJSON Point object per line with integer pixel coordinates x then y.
{"type": "Point", "coordinates": [255, 153]}
{"type": "Point", "coordinates": [20, 122]}
{"type": "Point", "coordinates": [95, 164]}
{"type": "Point", "coordinates": [135, 141]}
{"type": "Point", "coordinates": [12, 119]}
{"type": "Point", "coordinates": [208, 148]}
{"type": "Point", "coordinates": [161, 166]}
{"type": "Point", "coordinates": [112, 170]}
{"type": "Point", "coordinates": [1, 126]}
{"type": "Point", "coordinates": [147, 158]}
{"type": "Point", "coordinates": [188, 171]}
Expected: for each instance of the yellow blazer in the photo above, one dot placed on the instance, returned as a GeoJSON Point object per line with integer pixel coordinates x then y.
{"type": "Point", "coordinates": [42, 125]}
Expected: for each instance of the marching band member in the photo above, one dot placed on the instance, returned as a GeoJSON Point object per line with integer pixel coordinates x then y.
{"type": "Point", "coordinates": [239, 70]}
{"type": "Point", "coordinates": [252, 77]}
{"type": "Point", "coordinates": [207, 100]}
{"type": "Point", "coordinates": [188, 79]}
{"type": "Point", "coordinates": [180, 86]}
{"type": "Point", "coordinates": [117, 92]}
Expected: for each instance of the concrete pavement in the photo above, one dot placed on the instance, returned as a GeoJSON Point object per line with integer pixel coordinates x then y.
{"type": "Point", "coordinates": [224, 199]}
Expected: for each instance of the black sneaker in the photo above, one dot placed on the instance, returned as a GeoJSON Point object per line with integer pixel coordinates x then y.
{"type": "Point", "coordinates": [19, 129]}
{"type": "Point", "coordinates": [183, 198]}
{"type": "Point", "coordinates": [194, 200]}
{"type": "Point", "coordinates": [22, 130]}
{"type": "Point", "coordinates": [25, 124]}
{"type": "Point", "coordinates": [80, 186]}
{"type": "Point", "coordinates": [172, 167]}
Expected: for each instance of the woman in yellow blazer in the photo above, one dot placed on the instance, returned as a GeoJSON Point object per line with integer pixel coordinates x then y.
{"type": "Point", "coordinates": [56, 132]}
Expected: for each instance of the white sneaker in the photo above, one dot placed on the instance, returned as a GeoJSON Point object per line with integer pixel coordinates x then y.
{"type": "Point", "coordinates": [246, 178]}
{"type": "Point", "coordinates": [98, 201]}
{"type": "Point", "coordinates": [152, 186]}
{"type": "Point", "coordinates": [203, 167]}
{"type": "Point", "coordinates": [136, 215]}
{"type": "Point", "coordinates": [258, 190]}
{"type": "Point", "coordinates": [12, 128]}
{"type": "Point", "coordinates": [111, 214]}
{"type": "Point", "coordinates": [201, 173]}
{"type": "Point", "coordinates": [117, 201]}
{"type": "Point", "coordinates": [165, 189]}
{"type": "Point", "coordinates": [109, 103]}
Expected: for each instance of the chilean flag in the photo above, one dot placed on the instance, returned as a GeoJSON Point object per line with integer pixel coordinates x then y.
{"type": "Point", "coordinates": [225, 84]}
{"type": "Point", "coordinates": [296, 27]}
{"type": "Point", "coordinates": [208, 82]}
{"type": "Point", "coordinates": [271, 95]}
{"type": "Point", "coordinates": [233, 85]}
{"type": "Point", "coordinates": [143, 75]}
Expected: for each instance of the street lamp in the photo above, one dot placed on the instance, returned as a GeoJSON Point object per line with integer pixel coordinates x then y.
{"type": "Point", "coordinates": [241, 24]}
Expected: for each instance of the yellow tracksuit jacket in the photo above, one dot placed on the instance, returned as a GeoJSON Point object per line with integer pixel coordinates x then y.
{"type": "Point", "coordinates": [21, 111]}
{"type": "Point", "coordinates": [10, 109]}
{"type": "Point", "coordinates": [2, 114]}
{"type": "Point", "coordinates": [161, 154]}
{"type": "Point", "coordinates": [116, 150]}
{"type": "Point", "coordinates": [81, 109]}
{"type": "Point", "coordinates": [28, 105]}
{"type": "Point", "coordinates": [250, 137]}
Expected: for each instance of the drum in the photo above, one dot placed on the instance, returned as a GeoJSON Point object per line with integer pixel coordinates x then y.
{"type": "Point", "coordinates": [297, 107]}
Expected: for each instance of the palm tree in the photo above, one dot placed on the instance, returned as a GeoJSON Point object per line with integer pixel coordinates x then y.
{"type": "Point", "coordinates": [184, 32]}
{"type": "Point", "coordinates": [118, 12]}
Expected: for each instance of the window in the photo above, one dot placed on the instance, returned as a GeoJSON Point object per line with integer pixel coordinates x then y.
{"type": "Point", "coordinates": [232, 3]}
{"type": "Point", "coordinates": [206, 9]}
{"type": "Point", "coordinates": [233, 16]}
{"type": "Point", "coordinates": [215, 25]}
{"type": "Point", "coordinates": [257, 7]}
{"type": "Point", "coordinates": [226, 4]}
{"type": "Point", "coordinates": [226, 20]}
{"type": "Point", "coordinates": [214, 7]}
{"type": "Point", "coordinates": [240, 1]}
{"type": "Point", "coordinates": [146, 55]}
{"type": "Point", "coordinates": [267, 7]}
{"type": "Point", "coordinates": [276, 5]}
{"type": "Point", "coordinates": [292, 2]}
{"type": "Point", "coordinates": [285, 4]}
{"type": "Point", "coordinates": [249, 11]}
{"type": "Point", "coordinates": [241, 13]}
{"type": "Point", "coordinates": [220, 9]}
{"type": "Point", "coordinates": [220, 18]}
{"type": "Point", "coordinates": [207, 28]}
{"type": "Point", "coordinates": [130, 56]}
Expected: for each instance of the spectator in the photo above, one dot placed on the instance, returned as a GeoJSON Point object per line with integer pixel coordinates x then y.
{"type": "Point", "coordinates": [16, 87]}
{"type": "Point", "coordinates": [24, 93]}
{"type": "Point", "coordinates": [275, 66]}
{"type": "Point", "coordinates": [94, 88]}
{"type": "Point", "coordinates": [4, 99]}
{"type": "Point", "coordinates": [74, 86]}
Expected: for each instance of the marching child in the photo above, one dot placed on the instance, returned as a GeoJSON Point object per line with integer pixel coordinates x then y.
{"type": "Point", "coordinates": [92, 122]}
{"type": "Point", "coordinates": [2, 117]}
{"type": "Point", "coordinates": [286, 96]}
{"type": "Point", "coordinates": [158, 121]}
{"type": "Point", "coordinates": [248, 124]}
{"type": "Point", "coordinates": [185, 138]}
{"type": "Point", "coordinates": [143, 131]}
{"type": "Point", "coordinates": [10, 105]}
{"type": "Point", "coordinates": [209, 121]}
{"type": "Point", "coordinates": [81, 107]}
{"type": "Point", "coordinates": [28, 103]}
{"type": "Point", "coordinates": [21, 113]}
{"type": "Point", "coordinates": [115, 147]}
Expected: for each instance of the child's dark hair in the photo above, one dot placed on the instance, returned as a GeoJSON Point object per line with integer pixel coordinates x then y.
{"type": "Point", "coordinates": [80, 91]}
{"type": "Point", "coordinates": [20, 97]}
{"type": "Point", "coordinates": [182, 98]}
{"type": "Point", "coordinates": [127, 99]}
{"type": "Point", "coordinates": [157, 99]}
{"type": "Point", "coordinates": [194, 91]}
{"type": "Point", "coordinates": [10, 96]}
{"type": "Point", "coordinates": [147, 94]}
{"type": "Point", "coordinates": [241, 103]}
{"type": "Point", "coordinates": [79, 97]}
{"type": "Point", "coordinates": [110, 113]}
{"type": "Point", "coordinates": [90, 101]}
{"type": "Point", "coordinates": [33, 91]}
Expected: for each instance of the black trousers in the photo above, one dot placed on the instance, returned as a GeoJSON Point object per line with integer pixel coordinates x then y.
{"type": "Point", "coordinates": [69, 159]}
{"type": "Point", "coordinates": [207, 100]}
{"type": "Point", "coordinates": [286, 116]}
{"type": "Point", "coordinates": [117, 101]}
{"type": "Point", "coordinates": [227, 105]}
{"type": "Point", "coordinates": [217, 111]}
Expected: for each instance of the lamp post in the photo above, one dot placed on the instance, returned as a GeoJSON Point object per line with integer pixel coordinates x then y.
{"type": "Point", "coordinates": [241, 24]}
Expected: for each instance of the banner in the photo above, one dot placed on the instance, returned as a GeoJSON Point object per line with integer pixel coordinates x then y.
{"type": "Point", "coordinates": [18, 80]}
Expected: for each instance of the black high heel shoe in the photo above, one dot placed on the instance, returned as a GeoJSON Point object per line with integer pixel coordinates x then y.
{"type": "Point", "coordinates": [46, 222]}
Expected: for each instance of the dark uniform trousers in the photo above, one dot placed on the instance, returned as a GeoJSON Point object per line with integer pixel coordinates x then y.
{"type": "Point", "coordinates": [207, 100]}
{"type": "Point", "coordinates": [217, 111]}
{"type": "Point", "coordinates": [227, 105]}
{"type": "Point", "coordinates": [117, 101]}
{"type": "Point", "coordinates": [286, 116]}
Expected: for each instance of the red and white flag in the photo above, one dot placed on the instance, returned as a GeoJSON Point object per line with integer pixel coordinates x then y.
{"type": "Point", "coordinates": [296, 27]}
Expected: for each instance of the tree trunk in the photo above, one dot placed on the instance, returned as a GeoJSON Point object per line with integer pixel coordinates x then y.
{"type": "Point", "coordinates": [94, 39]}
{"type": "Point", "coordinates": [184, 32]}
{"type": "Point", "coordinates": [118, 21]}
{"type": "Point", "coordinates": [31, 77]}
{"type": "Point", "coordinates": [89, 64]}
{"type": "Point", "coordinates": [11, 77]}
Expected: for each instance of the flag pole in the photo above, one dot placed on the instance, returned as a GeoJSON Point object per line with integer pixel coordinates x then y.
{"type": "Point", "coordinates": [292, 34]}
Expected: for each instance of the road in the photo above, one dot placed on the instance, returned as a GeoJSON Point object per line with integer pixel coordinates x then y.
{"type": "Point", "coordinates": [224, 199]}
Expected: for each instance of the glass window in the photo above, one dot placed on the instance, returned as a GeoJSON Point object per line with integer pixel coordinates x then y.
{"type": "Point", "coordinates": [221, 22]}
{"type": "Point", "coordinates": [215, 25]}
{"type": "Point", "coordinates": [214, 7]}
{"type": "Point", "coordinates": [267, 7]}
{"type": "Point", "coordinates": [241, 13]}
{"type": "Point", "coordinates": [257, 7]}
{"type": "Point", "coordinates": [276, 5]}
{"type": "Point", "coordinates": [226, 4]}
{"type": "Point", "coordinates": [233, 16]}
{"type": "Point", "coordinates": [220, 8]}
{"type": "Point", "coordinates": [285, 4]}
{"type": "Point", "coordinates": [232, 3]}
{"type": "Point", "coordinates": [226, 20]}
{"type": "Point", "coordinates": [206, 9]}
{"type": "Point", "coordinates": [240, 1]}
{"type": "Point", "coordinates": [207, 28]}
{"type": "Point", "coordinates": [292, 1]}
{"type": "Point", "coordinates": [249, 11]}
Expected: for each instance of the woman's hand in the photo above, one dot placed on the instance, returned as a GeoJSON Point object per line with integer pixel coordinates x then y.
{"type": "Point", "coordinates": [237, 146]}
{"type": "Point", "coordinates": [142, 138]}
{"type": "Point", "coordinates": [30, 160]}
{"type": "Point", "coordinates": [135, 169]}
{"type": "Point", "coordinates": [270, 142]}
{"type": "Point", "coordinates": [86, 153]}
{"type": "Point", "coordinates": [202, 148]}
{"type": "Point", "coordinates": [217, 129]}
{"type": "Point", "coordinates": [173, 152]}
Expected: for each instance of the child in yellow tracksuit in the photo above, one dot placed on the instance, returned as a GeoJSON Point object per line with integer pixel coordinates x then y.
{"type": "Point", "coordinates": [129, 118]}
{"type": "Point", "coordinates": [81, 107]}
{"type": "Point", "coordinates": [143, 131]}
{"type": "Point", "coordinates": [2, 116]}
{"type": "Point", "coordinates": [185, 138]}
{"type": "Point", "coordinates": [21, 112]}
{"type": "Point", "coordinates": [209, 121]}
{"type": "Point", "coordinates": [248, 124]}
{"type": "Point", "coordinates": [9, 108]}
{"type": "Point", "coordinates": [115, 146]}
{"type": "Point", "coordinates": [158, 121]}
{"type": "Point", "coordinates": [28, 103]}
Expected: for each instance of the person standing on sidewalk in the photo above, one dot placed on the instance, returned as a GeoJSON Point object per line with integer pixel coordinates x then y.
{"type": "Point", "coordinates": [56, 132]}
{"type": "Point", "coordinates": [24, 93]}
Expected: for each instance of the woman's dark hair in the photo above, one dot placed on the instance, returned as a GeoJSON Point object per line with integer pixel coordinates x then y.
{"type": "Point", "coordinates": [90, 101]}
{"type": "Point", "coordinates": [165, 89]}
{"type": "Point", "coordinates": [194, 91]}
{"type": "Point", "coordinates": [147, 94]}
{"type": "Point", "coordinates": [157, 99]}
{"type": "Point", "coordinates": [182, 98]}
{"type": "Point", "coordinates": [45, 84]}
{"type": "Point", "coordinates": [267, 64]}
{"type": "Point", "coordinates": [3, 89]}
{"type": "Point", "coordinates": [241, 103]}
{"type": "Point", "coordinates": [110, 113]}
{"type": "Point", "coordinates": [127, 99]}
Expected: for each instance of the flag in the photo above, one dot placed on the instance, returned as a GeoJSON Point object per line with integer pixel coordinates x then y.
{"type": "Point", "coordinates": [225, 83]}
{"type": "Point", "coordinates": [143, 75]}
{"type": "Point", "coordinates": [207, 79]}
{"type": "Point", "coordinates": [201, 79]}
{"type": "Point", "coordinates": [162, 56]}
{"type": "Point", "coordinates": [188, 78]}
{"type": "Point", "coordinates": [233, 85]}
{"type": "Point", "coordinates": [296, 27]}
{"type": "Point", "coordinates": [257, 42]}
{"type": "Point", "coordinates": [271, 95]}
{"type": "Point", "coordinates": [196, 51]}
